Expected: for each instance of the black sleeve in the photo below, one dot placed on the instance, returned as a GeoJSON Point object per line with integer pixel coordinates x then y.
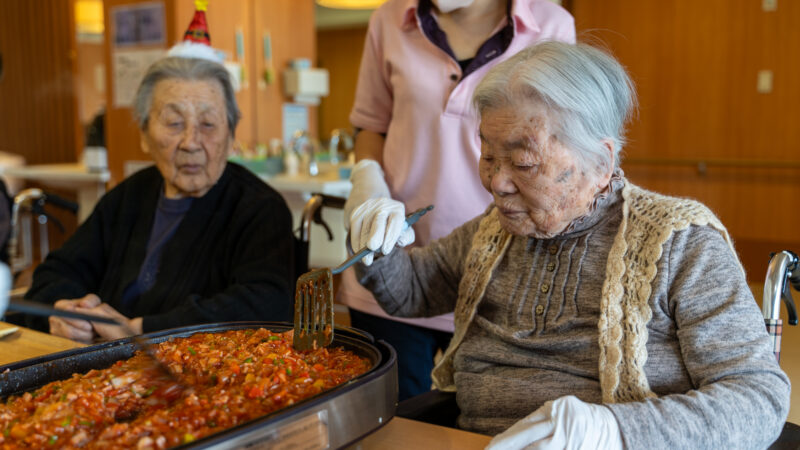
{"type": "Point", "coordinates": [78, 267]}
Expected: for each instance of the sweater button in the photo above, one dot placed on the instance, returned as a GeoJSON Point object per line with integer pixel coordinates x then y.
{"type": "Point", "coordinates": [545, 288]}
{"type": "Point", "coordinates": [551, 267]}
{"type": "Point", "coordinates": [539, 310]}
{"type": "Point", "coordinates": [553, 249]}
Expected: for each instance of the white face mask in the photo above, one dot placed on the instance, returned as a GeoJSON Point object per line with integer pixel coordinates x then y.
{"type": "Point", "coordinates": [446, 6]}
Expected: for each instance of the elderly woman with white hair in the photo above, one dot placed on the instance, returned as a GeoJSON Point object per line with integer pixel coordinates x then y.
{"type": "Point", "coordinates": [194, 239]}
{"type": "Point", "coordinates": [590, 313]}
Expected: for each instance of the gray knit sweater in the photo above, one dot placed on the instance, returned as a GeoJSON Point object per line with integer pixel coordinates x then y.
{"type": "Point", "coordinates": [535, 336]}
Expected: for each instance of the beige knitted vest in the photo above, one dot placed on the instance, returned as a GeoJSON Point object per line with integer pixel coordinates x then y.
{"type": "Point", "coordinates": [648, 220]}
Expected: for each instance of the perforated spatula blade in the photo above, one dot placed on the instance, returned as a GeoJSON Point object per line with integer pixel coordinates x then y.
{"type": "Point", "coordinates": [313, 298]}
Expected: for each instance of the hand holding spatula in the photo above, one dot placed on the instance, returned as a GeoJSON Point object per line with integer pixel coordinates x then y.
{"type": "Point", "coordinates": [313, 302]}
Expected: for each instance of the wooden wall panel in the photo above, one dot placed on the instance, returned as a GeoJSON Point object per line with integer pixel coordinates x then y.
{"type": "Point", "coordinates": [291, 23]}
{"type": "Point", "coordinates": [695, 65]}
{"type": "Point", "coordinates": [224, 18]}
{"type": "Point", "coordinates": [38, 107]}
{"type": "Point", "coordinates": [90, 99]}
{"type": "Point", "coordinates": [122, 134]}
{"type": "Point", "coordinates": [339, 51]}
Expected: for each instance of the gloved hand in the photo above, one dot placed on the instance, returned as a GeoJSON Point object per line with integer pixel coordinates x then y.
{"type": "Point", "coordinates": [378, 224]}
{"type": "Point", "coordinates": [566, 423]}
{"type": "Point", "coordinates": [367, 180]}
{"type": "Point", "coordinates": [373, 218]}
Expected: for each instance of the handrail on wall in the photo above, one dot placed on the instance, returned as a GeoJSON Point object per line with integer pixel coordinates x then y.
{"type": "Point", "coordinates": [703, 165]}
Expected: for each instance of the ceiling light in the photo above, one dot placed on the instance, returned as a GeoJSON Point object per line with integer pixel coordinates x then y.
{"type": "Point", "coordinates": [350, 4]}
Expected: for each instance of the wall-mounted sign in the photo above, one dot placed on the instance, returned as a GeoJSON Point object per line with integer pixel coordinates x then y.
{"type": "Point", "coordinates": [128, 68]}
{"type": "Point", "coordinates": [138, 24]}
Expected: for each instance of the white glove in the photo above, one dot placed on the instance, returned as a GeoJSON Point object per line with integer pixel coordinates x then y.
{"type": "Point", "coordinates": [367, 180]}
{"type": "Point", "coordinates": [379, 223]}
{"type": "Point", "coordinates": [566, 423]}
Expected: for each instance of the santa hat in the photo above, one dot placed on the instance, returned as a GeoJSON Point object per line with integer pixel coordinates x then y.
{"type": "Point", "coordinates": [196, 41]}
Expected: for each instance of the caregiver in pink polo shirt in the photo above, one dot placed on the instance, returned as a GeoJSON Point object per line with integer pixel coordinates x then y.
{"type": "Point", "coordinates": [418, 140]}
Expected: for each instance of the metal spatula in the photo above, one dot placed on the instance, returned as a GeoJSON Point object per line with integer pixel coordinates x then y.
{"type": "Point", "coordinates": [39, 309]}
{"type": "Point", "coordinates": [313, 298]}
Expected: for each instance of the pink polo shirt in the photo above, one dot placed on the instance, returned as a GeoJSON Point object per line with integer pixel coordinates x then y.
{"type": "Point", "coordinates": [412, 91]}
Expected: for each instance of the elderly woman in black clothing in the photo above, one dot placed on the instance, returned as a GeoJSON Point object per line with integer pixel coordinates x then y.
{"type": "Point", "coordinates": [194, 239]}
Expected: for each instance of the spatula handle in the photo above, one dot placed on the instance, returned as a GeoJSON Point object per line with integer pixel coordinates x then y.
{"type": "Point", "coordinates": [411, 219]}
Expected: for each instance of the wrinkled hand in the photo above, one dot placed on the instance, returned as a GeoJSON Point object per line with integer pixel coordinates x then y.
{"type": "Point", "coordinates": [75, 329]}
{"type": "Point", "coordinates": [108, 331]}
{"type": "Point", "coordinates": [378, 224]}
{"type": "Point", "coordinates": [566, 423]}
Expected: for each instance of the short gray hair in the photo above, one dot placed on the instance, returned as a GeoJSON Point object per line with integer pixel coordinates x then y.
{"type": "Point", "coordinates": [186, 69]}
{"type": "Point", "coordinates": [588, 92]}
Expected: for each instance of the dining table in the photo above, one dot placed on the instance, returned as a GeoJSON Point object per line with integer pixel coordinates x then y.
{"type": "Point", "coordinates": [399, 433]}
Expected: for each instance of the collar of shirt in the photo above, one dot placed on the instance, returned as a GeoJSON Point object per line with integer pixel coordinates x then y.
{"type": "Point", "coordinates": [419, 13]}
{"type": "Point", "coordinates": [520, 13]}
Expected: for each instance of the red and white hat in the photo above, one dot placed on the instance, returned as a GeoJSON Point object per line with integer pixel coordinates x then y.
{"type": "Point", "coordinates": [196, 41]}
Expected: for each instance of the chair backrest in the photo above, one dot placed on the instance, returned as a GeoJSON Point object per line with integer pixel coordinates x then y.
{"type": "Point", "coordinates": [312, 215]}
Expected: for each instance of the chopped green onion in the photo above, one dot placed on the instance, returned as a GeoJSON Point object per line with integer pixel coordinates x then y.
{"type": "Point", "coordinates": [248, 360]}
{"type": "Point", "coordinates": [274, 338]}
{"type": "Point", "coordinates": [249, 332]}
{"type": "Point", "coordinates": [149, 391]}
{"type": "Point", "coordinates": [87, 423]}
{"type": "Point", "coordinates": [6, 432]}
{"type": "Point", "coordinates": [288, 371]}
{"type": "Point", "coordinates": [67, 421]}
{"type": "Point", "coordinates": [191, 350]}
{"type": "Point", "coordinates": [52, 439]}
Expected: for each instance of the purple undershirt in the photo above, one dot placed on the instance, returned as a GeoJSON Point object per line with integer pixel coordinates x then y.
{"type": "Point", "coordinates": [169, 213]}
{"type": "Point", "coordinates": [492, 48]}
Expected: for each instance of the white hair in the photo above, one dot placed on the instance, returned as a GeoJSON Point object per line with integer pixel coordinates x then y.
{"type": "Point", "coordinates": [184, 68]}
{"type": "Point", "coordinates": [588, 93]}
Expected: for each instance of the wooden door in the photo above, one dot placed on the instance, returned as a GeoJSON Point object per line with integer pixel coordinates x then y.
{"type": "Point", "coordinates": [38, 105]}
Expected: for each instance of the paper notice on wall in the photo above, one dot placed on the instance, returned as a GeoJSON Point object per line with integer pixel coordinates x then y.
{"type": "Point", "coordinates": [128, 68]}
